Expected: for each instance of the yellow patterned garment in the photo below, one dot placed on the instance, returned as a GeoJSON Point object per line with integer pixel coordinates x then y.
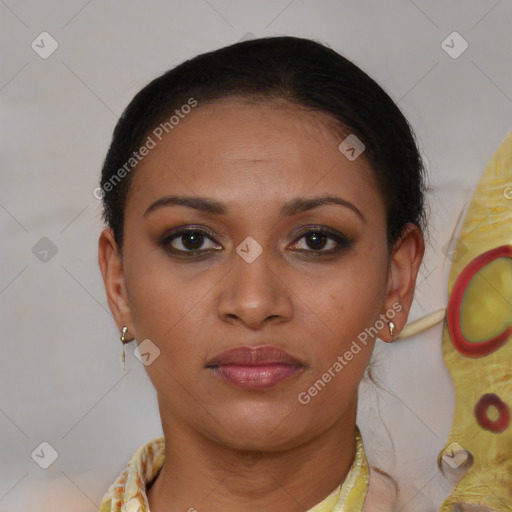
{"type": "Point", "coordinates": [128, 492]}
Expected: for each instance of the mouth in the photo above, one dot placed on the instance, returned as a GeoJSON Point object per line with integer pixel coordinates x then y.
{"type": "Point", "coordinates": [254, 367]}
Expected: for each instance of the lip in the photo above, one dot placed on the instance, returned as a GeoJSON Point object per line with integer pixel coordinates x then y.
{"type": "Point", "coordinates": [245, 355]}
{"type": "Point", "coordinates": [254, 367]}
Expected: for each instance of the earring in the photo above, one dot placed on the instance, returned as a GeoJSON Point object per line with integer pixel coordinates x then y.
{"type": "Point", "coordinates": [391, 327]}
{"type": "Point", "coordinates": [123, 341]}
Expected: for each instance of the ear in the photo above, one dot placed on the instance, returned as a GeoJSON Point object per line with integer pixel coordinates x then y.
{"type": "Point", "coordinates": [111, 267]}
{"type": "Point", "coordinates": [402, 272]}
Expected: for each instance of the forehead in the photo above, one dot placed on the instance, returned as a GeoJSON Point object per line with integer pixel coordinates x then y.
{"type": "Point", "coordinates": [240, 150]}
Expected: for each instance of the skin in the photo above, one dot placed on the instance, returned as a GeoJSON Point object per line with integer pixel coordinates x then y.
{"type": "Point", "coordinates": [232, 449]}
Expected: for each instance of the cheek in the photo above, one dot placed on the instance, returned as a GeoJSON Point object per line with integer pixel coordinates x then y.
{"type": "Point", "coordinates": [158, 299]}
{"type": "Point", "coordinates": [351, 299]}
{"type": "Point", "coordinates": [349, 307]}
{"type": "Point", "coordinates": [172, 307]}
{"type": "Point", "coordinates": [165, 312]}
{"type": "Point", "coordinates": [347, 345]}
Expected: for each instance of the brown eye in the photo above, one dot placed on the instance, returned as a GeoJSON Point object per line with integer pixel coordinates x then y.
{"type": "Point", "coordinates": [188, 240]}
{"type": "Point", "coordinates": [318, 239]}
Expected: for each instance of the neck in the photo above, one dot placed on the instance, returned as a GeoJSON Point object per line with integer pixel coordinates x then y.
{"type": "Point", "coordinates": [206, 475]}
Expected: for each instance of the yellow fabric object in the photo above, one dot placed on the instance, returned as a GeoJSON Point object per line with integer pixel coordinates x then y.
{"type": "Point", "coordinates": [128, 492]}
{"type": "Point", "coordinates": [482, 455]}
{"type": "Point", "coordinates": [486, 312]}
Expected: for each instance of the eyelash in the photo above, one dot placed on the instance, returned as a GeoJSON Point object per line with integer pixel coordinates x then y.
{"type": "Point", "coordinates": [342, 241]}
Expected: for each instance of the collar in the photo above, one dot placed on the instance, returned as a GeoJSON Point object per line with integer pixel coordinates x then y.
{"type": "Point", "coordinates": [128, 492]}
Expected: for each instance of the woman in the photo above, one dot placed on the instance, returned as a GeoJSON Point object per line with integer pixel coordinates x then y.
{"type": "Point", "coordinates": [265, 215]}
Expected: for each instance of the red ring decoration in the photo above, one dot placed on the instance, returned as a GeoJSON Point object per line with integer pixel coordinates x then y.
{"type": "Point", "coordinates": [459, 341]}
{"type": "Point", "coordinates": [483, 405]}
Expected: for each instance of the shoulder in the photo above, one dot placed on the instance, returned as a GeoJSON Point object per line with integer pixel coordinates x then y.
{"type": "Point", "coordinates": [382, 493]}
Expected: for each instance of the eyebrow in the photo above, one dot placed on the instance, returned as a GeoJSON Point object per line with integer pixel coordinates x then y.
{"type": "Point", "coordinates": [292, 207]}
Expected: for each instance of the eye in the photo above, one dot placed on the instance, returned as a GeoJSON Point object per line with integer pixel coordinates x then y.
{"type": "Point", "coordinates": [319, 238]}
{"type": "Point", "coordinates": [191, 240]}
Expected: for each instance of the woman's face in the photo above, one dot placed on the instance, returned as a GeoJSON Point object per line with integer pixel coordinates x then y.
{"type": "Point", "coordinates": [255, 271]}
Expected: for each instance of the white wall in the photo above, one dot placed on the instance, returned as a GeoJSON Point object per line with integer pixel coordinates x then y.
{"type": "Point", "coordinates": [60, 372]}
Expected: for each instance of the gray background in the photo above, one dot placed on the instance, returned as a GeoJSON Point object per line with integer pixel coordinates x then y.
{"type": "Point", "coordinates": [60, 371]}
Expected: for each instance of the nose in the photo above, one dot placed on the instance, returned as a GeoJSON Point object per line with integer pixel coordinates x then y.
{"type": "Point", "coordinates": [254, 293]}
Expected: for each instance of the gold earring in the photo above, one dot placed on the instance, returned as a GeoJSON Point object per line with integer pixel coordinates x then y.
{"type": "Point", "coordinates": [391, 327]}
{"type": "Point", "coordinates": [123, 341]}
